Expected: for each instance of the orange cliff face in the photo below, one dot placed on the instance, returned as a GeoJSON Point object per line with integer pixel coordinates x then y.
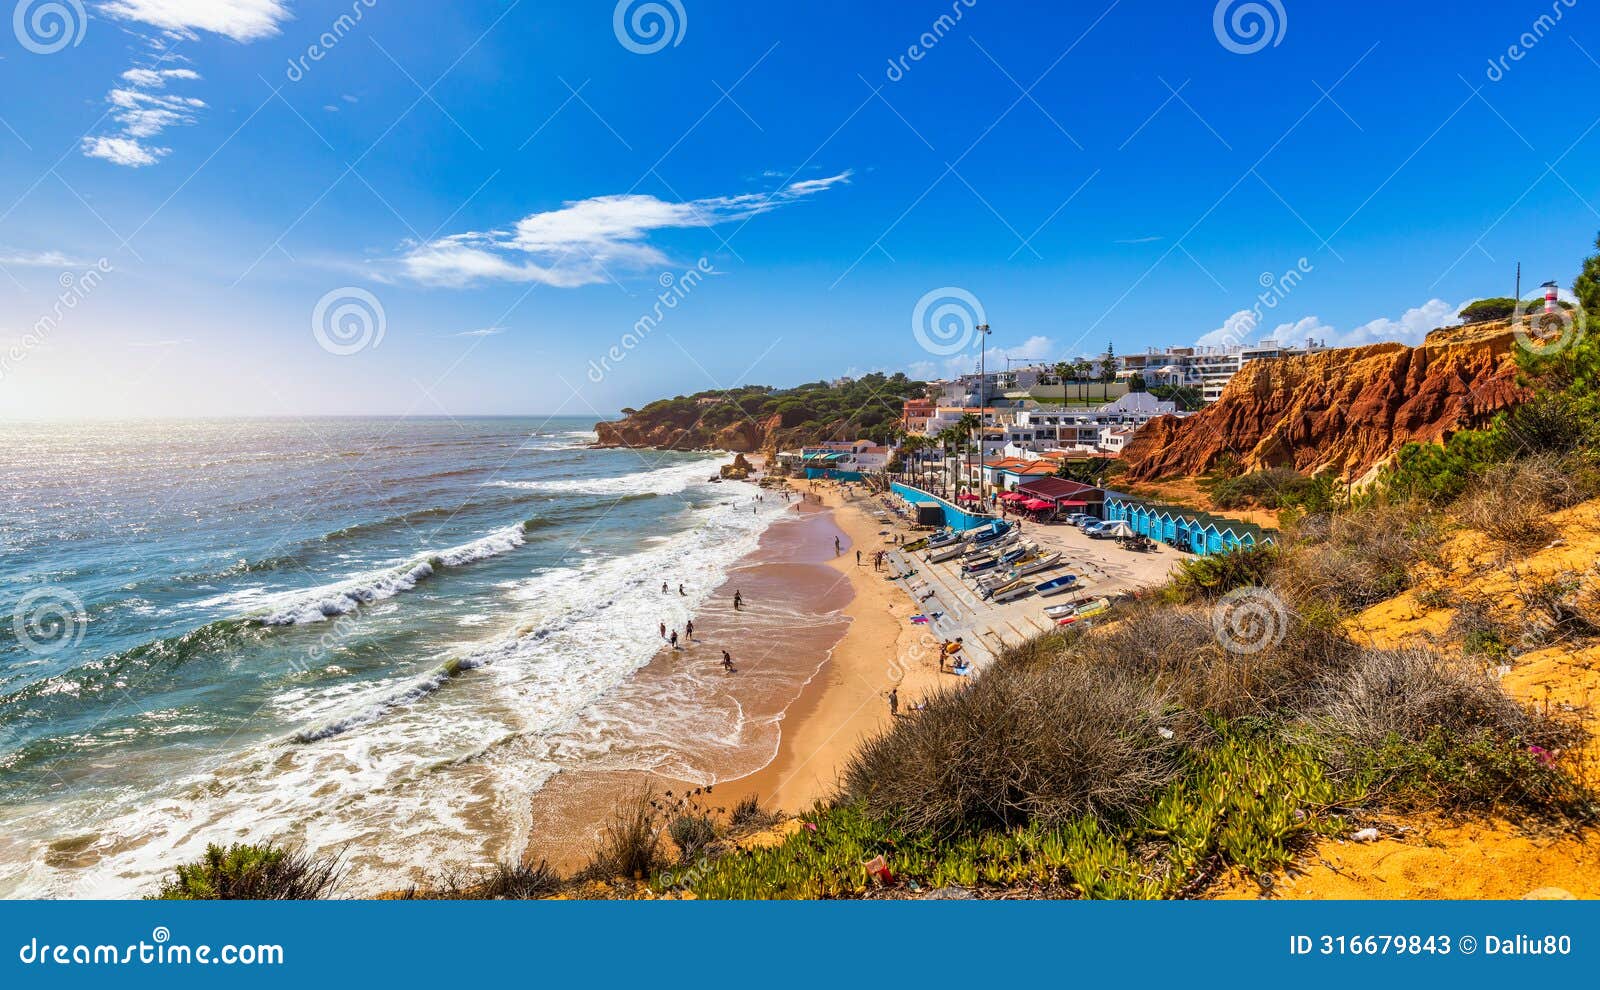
{"type": "Point", "coordinates": [1345, 411]}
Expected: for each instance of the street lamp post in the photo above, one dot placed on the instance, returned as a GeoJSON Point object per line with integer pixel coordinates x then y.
{"type": "Point", "coordinates": [983, 399]}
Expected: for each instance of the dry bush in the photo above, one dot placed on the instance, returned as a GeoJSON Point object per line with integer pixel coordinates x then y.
{"type": "Point", "coordinates": [1512, 502]}
{"type": "Point", "coordinates": [1407, 693]}
{"type": "Point", "coordinates": [1555, 608]}
{"type": "Point", "coordinates": [1476, 627]}
{"type": "Point", "coordinates": [630, 845]}
{"type": "Point", "coordinates": [1045, 742]}
{"type": "Point", "coordinates": [748, 814]}
{"type": "Point", "coordinates": [1357, 558]}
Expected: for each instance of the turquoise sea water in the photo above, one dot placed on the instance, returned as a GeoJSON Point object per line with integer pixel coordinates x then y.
{"type": "Point", "coordinates": [377, 635]}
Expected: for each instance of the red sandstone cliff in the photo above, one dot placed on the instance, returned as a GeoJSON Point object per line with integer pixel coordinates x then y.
{"type": "Point", "coordinates": [748, 436]}
{"type": "Point", "coordinates": [1344, 411]}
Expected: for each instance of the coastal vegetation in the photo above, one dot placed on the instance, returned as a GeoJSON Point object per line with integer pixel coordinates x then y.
{"type": "Point", "coordinates": [243, 872]}
{"type": "Point", "coordinates": [757, 417]}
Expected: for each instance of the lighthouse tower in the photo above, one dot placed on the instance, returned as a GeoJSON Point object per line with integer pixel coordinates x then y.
{"type": "Point", "coordinates": [1549, 298]}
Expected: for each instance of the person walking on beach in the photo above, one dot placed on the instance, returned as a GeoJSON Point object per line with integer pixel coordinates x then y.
{"type": "Point", "coordinates": [688, 630]}
{"type": "Point", "coordinates": [894, 702]}
{"type": "Point", "coordinates": [727, 663]}
{"type": "Point", "coordinates": [673, 639]}
{"type": "Point", "coordinates": [858, 558]}
{"type": "Point", "coordinates": [663, 626]}
{"type": "Point", "coordinates": [838, 548]}
{"type": "Point", "coordinates": [738, 600]}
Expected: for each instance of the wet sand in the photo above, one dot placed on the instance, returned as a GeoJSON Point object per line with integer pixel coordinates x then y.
{"type": "Point", "coordinates": [682, 721]}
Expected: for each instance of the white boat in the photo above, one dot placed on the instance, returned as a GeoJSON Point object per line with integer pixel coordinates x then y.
{"type": "Point", "coordinates": [1042, 563]}
{"type": "Point", "coordinates": [1056, 586]}
{"type": "Point", "coordinates": [949, 551]}
{"type": "Point", "coordinates": [1019, 589]}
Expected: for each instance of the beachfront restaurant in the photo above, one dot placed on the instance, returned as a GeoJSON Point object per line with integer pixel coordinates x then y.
{"type": "Point", "coordinates": [1052, 496]}
{"type": "Point", "coordinates": [832, 465]}
{"type": "Point", "coordinates": [1199, 533]}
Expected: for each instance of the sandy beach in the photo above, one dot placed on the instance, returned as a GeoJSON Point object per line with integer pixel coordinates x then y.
{"type": "Point", "coordinates": [848, 699]}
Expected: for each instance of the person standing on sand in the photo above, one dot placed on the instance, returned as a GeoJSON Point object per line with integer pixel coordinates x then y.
{"type": "Point", "coordinates": [858, 558]}
{"type": "Point", "coordinates": [727, 663]}
{"type": "Point", "coordinates": [673, 639]}
{"type": "Point", "coordinates": [738, 600]}
{"type": "Point", "coordinates": [894, 702]}
{"type": "Point", "coordinates": [688, 630]}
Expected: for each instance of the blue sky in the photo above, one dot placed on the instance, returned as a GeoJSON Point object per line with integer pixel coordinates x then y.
{"type": "Point", "coordinates": [513, 184]}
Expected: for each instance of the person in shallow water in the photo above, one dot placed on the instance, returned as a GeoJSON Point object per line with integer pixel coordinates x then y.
{"type": "Point", "coordinates": [738, 600]}
{"type": "Point", "coordinates": [663, 587]}
{"type": "Point", "coordinates": [727, 663]}
{"type": "Point", "coordinates": [680, 589]}
{"type": "Point", "coordinates": [663, 627]}
{"type": "Point", "coordinates": [688, 630]}
{"type": "Point", "coordinates": [673, 639]}
{"type": "Point", "coordinates": [838, 547]}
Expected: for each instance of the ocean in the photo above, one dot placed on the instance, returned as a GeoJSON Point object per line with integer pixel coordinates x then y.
{"type": "Point", "coordinates": [378, 637]}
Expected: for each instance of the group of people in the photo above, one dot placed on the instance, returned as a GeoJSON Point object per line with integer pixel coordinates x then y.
{"type": "Point", "coordinates": [671, 635]}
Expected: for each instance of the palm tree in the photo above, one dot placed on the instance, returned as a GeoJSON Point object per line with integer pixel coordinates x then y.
{"type": "Point", "coordinates": [947, 444]}
{"type": "Point", "coordinates": [1062, 370]}
{"type": "Point", "coordinates": [1080, 371]}
{"type": "Point", "coordinates": [966, 427]}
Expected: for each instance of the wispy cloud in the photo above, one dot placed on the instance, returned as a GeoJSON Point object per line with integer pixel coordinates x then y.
{"type": "Point", "coordinates": [1139, 240]}
{"type": "Point", "coordinates": [241, 20]}
{"type": "Point", "coordinates": [141, 109]}
{"type": "Point", "coordinates": [483, 332]}
{"type": "Point", "coordinates": [585, 240]}
{"type": "Point", "coordinates": [39, 259]}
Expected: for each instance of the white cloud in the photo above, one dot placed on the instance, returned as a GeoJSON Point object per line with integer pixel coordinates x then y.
{"type": "Point", "coordinates": [483, 332]}
{"type": "Point", "coordinates": [1409, 328]}
{"type": "Point", "coordinates": [155, 79]}
{"type": "Point", "coordinates": [241, 20]}
{"type": "Point", "coordinates": [141, 114]}
{"type": "Point", "coordinates": [38, 259]}
{"type": "Point", "coordinates": [123, 151]}
{"type": "Point", "coordinates": [1139, 240]}
{"type": "Point", "coordinates": [585, 240]}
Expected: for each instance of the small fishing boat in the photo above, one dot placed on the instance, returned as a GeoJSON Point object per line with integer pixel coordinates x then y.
{"type": "Point", "coordinates": [1041, 563]}
{"type": "Point", "coordinates": [1020, 589]}
{"type": "Point", "coordinates": [1099, 606]}
{"type": "Point", "coordinates": [1056, 586]}
{"type": "Point", "coordinates": [944, 538]}
{"type": "Point", "coordinates": [947, 552]}
{"type": "Point", "coordinates": [980, 565]}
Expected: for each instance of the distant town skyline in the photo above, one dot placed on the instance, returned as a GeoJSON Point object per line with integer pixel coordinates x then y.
{"type": "Point", "coordinates": [295, 207]}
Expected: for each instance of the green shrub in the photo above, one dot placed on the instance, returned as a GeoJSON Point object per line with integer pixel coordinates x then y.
{"type": "Point", "coordinates": [243, 872]}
